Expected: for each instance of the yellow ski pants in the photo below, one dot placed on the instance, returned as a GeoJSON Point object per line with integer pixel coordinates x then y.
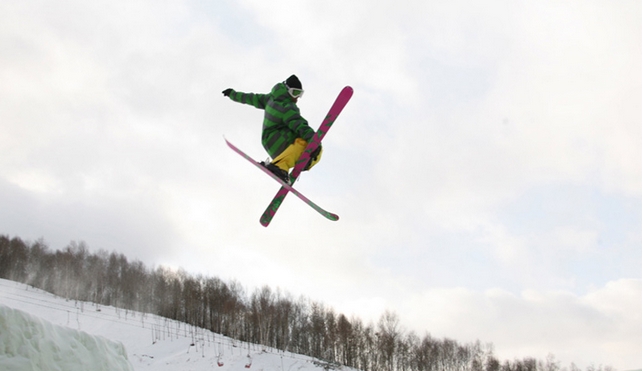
{"type": "Point", "coordinates": [287, 159]}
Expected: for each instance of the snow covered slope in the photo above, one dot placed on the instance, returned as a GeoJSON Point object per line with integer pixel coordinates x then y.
{"type": "Point", "coordinates": [30, 343]}
{"type": "Point", "coordinates": [151, 342]}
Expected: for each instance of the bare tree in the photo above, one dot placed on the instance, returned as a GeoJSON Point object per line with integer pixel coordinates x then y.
{"type": "Point", "coordinates": [267, 317]}
{"type": "Point", "coordinates": [388, 334]}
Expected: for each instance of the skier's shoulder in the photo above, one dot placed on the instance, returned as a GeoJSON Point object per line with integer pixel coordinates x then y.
{"type": "Point", "coordinates": [281, 101]}
{"type": "Point", "coordinates": [279, 94]}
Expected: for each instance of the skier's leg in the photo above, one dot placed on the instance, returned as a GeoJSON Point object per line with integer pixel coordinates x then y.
{"type": "Point", "coordinates": [287, 159]}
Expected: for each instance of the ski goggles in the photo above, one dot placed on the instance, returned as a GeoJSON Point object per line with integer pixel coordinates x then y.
{"type": "Point", "coordinates": [295, 92]}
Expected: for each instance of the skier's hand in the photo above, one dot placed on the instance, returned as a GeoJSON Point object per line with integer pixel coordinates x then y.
{"type": "Point", "coordinates": [227, 92]}
{"type": "Point", "coordinates": [314, 158]}
{"type": "Point", "coordinates": [315, 155]}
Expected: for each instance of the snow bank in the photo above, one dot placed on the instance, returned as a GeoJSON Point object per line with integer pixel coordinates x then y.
{"type": "Point", "coordinates": [30, 343]}
{"type": "Point", "coordinates": [153, 343]}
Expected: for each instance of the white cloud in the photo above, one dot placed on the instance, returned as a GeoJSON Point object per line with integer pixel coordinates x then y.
{"type": "Point", "coordinates": [342, 41]}
{"type": "Point", "coordinates": [574, 239]}
{"type": "Point", "coordinates": [600, 327]}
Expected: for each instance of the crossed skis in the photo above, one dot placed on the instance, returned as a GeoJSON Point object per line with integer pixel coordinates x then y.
{"type": "Point", "coordinates": [337, 107]}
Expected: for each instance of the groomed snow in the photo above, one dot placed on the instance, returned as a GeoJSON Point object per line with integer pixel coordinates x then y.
{"type": "Point", "coordinates": [31, 343]}
{"type": "Point", "coordinates": [74, 335]}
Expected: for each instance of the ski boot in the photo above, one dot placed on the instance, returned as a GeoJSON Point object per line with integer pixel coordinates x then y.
{"type": "Point", "coordinates": [280, 173]}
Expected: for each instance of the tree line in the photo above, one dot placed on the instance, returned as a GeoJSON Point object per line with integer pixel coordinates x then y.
{"type": "Point", "coordinates": [265, 316]}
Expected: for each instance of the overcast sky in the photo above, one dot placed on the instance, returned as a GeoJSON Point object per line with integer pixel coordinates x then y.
{"type": "Point", "coordinates": [487, 171]}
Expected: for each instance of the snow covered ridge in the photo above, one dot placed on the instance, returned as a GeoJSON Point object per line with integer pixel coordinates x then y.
{"type": "Point", "coordinates": [30, 343]}
{"type": "Point", "coordinates": [150, 342]}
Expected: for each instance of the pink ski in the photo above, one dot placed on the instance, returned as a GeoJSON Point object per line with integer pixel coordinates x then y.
{"type": "Point", "coordinates": [325, 213]}
{"type": "Point", "coordinates": [337, 107]}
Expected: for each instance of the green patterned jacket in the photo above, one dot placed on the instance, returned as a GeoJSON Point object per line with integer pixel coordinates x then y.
{"type": "Point", "coordinates": [282, 123]}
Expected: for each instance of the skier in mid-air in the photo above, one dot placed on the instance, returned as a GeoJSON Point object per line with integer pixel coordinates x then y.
{"type": "Point", "coordinates": [285, 134]}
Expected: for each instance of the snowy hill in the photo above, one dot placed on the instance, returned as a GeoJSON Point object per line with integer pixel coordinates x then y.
{"type": "Point", "coordinates": [151, 342]}
{"type": "Point", "coordinates": [30, 343]}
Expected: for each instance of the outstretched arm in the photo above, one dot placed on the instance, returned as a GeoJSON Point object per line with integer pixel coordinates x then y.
{"type": "Point", "coordinates": [256, 100]}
